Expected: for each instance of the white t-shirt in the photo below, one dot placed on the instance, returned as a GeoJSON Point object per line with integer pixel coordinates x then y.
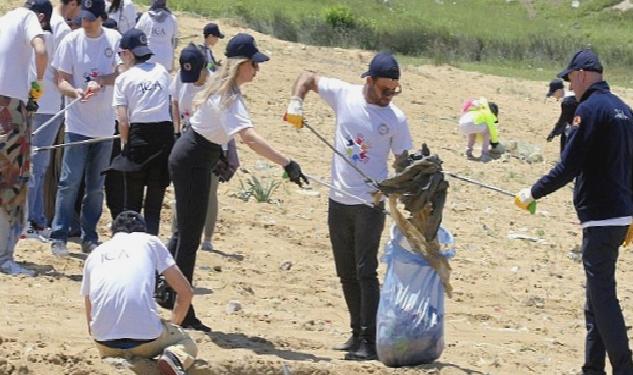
{"type": "Point", "coordinates": [161, 38]}
{"type": "Point", "coordinates": [119, 278]}
{"type": "Point", "coordinates": [51, 100]}
{"type": "Point", "coordinates": [365, 133]}
{"type": "Point", "coordinates": [144, 90]}
{"type": "Point", "coordinates": [125, 16]}
{"type": "Point", "coordinates": [184, 93]}
{"type": "Point", "coordinates": [17, 29]}
{"type": "Point", "coordinates": [85, 59]}
{"type": "Point", "coordinates": [217, 124]}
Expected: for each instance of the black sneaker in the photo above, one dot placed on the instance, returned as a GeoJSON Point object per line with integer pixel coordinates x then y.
{"type": "Point", "coordinates": [197, 325]}
{"type": "Point", "coordinates": [168, 364]}
{"type": "Point", "coordinates": [366, 351]}
{"type": "Point", "coordinates": [351, 345]}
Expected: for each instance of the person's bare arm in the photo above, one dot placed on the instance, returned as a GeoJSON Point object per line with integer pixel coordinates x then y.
{"type": "Point", "coordinates": [261, 147]}
{"type": "Point", "coordinates": [88, 311]}
{"type": "Point", "coordinates": [124, 123]}
{"type": "Point", "coordinates": [307, 81]}
{"type": "Point", "coordinates": [65, 87]}
{"type": "Point", "coordinates": [41, 56]}
{"type": "Point", "coordinates": [175, 111]}
{"type": "Point", "coordinates": [184, 293]}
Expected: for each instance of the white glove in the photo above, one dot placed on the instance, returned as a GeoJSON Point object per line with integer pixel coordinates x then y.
{"type": "Point", "coordinates": [294, 113]}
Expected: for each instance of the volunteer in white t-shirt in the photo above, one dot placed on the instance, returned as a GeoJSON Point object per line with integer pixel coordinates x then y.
{"type": "Point", "coordinates": [118, 285]}
{"type": "Point", "coordinates": [161, 28]}
{"type": "Point", "coordinates": [141, 100]}
{"type": "Point", "coordinates": [185, 85]}
{"type": "Point", "coordinates": [220, 115]}
{"type": "Point", "coordinates": [49, 104]}
{"type": "Point", "coordinates": [86, 63]}
{"type": "Point", "coordinates": [123, 12]}
{"type": "Point", "coordinates": [368, 127]}
{"type": "Point", "coordinates": [21, 35]}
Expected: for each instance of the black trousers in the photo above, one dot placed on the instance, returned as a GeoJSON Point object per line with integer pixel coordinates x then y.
{"type": "Point", "coordinates": [355, 232]}
{"type": "Point", "coordinates": [606, 331]}
{"type": "Point", "coordinates": [190, 164]}
{"type": "Point", "coordinates": [114, 193]}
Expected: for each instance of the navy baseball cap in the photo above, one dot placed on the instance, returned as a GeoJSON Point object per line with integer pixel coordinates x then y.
{"type": "Point", "coordinates": [91, 9]}
{"type": "Point", "coordinates": [129, 221]}
{"type": "Point", "coordinates": [383, 65]}
{"type": "Point", "coordinates": [135, 40]}
{"type": "Point", "coordinates": [243, 46]}
{"type": "Point", "coordinates": [110, 23]}
{"type": "Point", "coordinates": [192, 61]}
{"type": "Point", "coordinates": [212, 29]}
{"type": "Point", "coordinates": [585, 59]}
{"type": "Point", "coordinates": [555, 85]}
{"type": "Point", "coordinates": [42, 6]}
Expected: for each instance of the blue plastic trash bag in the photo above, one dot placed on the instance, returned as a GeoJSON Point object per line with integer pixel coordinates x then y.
{"type": "Point", "coordinates": [410, 321]}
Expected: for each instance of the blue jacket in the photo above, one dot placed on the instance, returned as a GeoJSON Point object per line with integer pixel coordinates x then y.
{"type": "Point", "coordinates": [599, 154]}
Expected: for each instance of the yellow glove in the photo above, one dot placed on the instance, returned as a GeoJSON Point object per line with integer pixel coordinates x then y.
{"type": "Point", "coordinates": [294, 113]}
{"type": "Point", "coordinates": [524, 200]}
{"type": "Point", "coordinates": [36, 90]}
{"type": "Point", "coordinates": [629, 236]}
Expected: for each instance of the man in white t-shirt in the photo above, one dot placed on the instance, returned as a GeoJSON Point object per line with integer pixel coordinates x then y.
{"type": "Point", "coordinates": [162, 29]}
{"type": "Point", "coordinates": [21, 35]}
{"type": "Point", "coordinates": [368, 127]}
{"type": "Point", "coordinates": [49, 104]}
{"type": "Point", "coordinates": [118, 286]}
{"type": "Point", "coordinates": [86, 63]}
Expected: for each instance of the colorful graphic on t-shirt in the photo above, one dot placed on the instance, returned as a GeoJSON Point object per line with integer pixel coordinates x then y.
{"type": "Point", "coordinates": [357, 148]}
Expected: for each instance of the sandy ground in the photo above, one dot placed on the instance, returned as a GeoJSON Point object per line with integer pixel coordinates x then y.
{"type": "Point", "coordinates": [517, 305]}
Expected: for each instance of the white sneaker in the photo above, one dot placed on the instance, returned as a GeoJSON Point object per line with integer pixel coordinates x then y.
{"type": "Point", "coordinates": [12, 268]}
{"type": "Point", "coordinates": [58, 248]}
{"type": "Point", "coordinates": [207, 245]}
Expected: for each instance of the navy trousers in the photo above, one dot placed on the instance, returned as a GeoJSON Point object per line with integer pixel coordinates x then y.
{"type": "Point", "coordinates": [606, 332]}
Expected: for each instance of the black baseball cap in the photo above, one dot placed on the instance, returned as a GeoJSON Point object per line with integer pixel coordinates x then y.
{"type": "Point", "coordinates": [212, 29]}
{"type": "Point", "coordinates": [110, 23]}
{"type": "Point", "coordinates": [383, 65]}
{"type": "Point", "coordinates": [192, 61]}
{"type": "Point", "coordinates": [129, 221]}
{"type": "Point", "coordinates": [135, 40]}
{"type": "Point", "coordinates": [585, 59]}
{"type": "Point", "coordinates": [91, 9]}
{"type": "Point", "coordinates": [42, 6]}
{"type": "Point", "coordinates": [555, 85]}
{"type": "Point", "coordinates": [243, 46]}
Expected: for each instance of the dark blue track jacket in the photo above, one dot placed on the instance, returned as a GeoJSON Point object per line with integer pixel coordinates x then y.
{"type": "Point", "coordinates": [599, 154]}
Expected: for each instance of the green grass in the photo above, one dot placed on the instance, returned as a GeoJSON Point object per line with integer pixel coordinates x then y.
{"type": "Point", "coordinates": [512, 37]}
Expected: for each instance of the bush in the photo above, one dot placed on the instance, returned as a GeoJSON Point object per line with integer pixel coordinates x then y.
{"type": "Point", "coordinates": [340, 16]}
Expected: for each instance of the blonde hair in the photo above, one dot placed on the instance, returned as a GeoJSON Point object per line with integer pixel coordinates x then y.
{"type": "Point", "coordinates": [221, 83]}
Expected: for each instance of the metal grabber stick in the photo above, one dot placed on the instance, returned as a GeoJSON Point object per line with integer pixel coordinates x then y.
{"type": "Point", "coordinates": [84, 142]}
{"type": "Point", "coordinates": [55, 116]}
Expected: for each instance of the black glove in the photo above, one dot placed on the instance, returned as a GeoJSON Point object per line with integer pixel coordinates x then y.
{"type": "Point", "coordinates": [165, 296]}
{"type": "Point", "coordinates": [223, 170]}
{"type": "Point", "coordinates": [31, 105]}
{"type": "Point", "coordinates": [293, 170]}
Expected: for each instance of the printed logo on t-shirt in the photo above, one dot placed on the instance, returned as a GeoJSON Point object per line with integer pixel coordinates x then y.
{"type": "Point", "coordinates": [383, 129]}
{"type": "Point", "coordinates": [158, 31]}
{"type": "Point", "coordinates": [357, 148]}
{"type": "Point", "coordinates": [148, 86]}
{"type": "Point", "coordinates": [92, 75]}
{"type": "Point", "coordinates": [108, 52]}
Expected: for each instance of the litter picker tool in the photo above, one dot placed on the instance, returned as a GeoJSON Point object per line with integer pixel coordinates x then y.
{"type": "Point", "coordinates": [342, 192]}
{"type": "Point", "coordinates": [70, 144]}
{"type": "Point", "coordinates": [531, 207]}
{"type": "Point", "coordinates": [55, 116]}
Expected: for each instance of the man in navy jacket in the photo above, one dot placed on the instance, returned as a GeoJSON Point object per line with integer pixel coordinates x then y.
{"type": "Point", "coordinates": [599, 155]}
